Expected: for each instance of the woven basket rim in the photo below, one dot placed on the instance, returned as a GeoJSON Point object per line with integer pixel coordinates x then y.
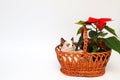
{"type": "Point", "coordinates": [77, 52]}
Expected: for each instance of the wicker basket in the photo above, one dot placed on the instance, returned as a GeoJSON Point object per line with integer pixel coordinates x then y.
{"type": "Point", "coordinates": [76, 63]}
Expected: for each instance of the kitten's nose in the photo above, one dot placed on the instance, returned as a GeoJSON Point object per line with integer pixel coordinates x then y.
{"type": "Point", "coordinates": [67, 45]}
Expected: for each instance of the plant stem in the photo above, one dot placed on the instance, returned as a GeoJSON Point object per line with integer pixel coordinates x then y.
{"type": "Point", "coordinates": [93, 26]}
{"type": "Point", "coordinates": [96, 30]}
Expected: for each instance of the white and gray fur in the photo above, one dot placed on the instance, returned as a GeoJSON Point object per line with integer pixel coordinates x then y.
{"type": "Point", "coordinates": [67, 45]}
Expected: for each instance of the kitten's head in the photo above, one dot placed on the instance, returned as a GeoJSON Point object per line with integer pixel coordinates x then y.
{"type": "Point", "coordinates": [67, 45]}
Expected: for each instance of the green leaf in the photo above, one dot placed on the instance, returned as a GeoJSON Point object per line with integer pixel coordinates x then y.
{"type": "Point", "coordinates": [79, 30]}
{"type": "Point", "coordinates": [95, 48]}
{"type": "Point", "coordinates": [112, 31]}
{"type": "Point", "coordinates": [81, 22]}
{"type": "Point", "coordinates": [99, 40]}
{"type": "Point", "coordinates": [89, 29]}
{"type": "Point", "coordinates": [90, 48]}
{"type": "Point", "coordinates": [102, 34]}
{"type": "Point", "coordinates": [113, 43]}
{"type": "Point", "coordinates": [93, 35]}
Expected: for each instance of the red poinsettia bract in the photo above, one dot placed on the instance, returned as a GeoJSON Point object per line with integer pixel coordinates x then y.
{"type": "Point", "coordinates": [100, 23]}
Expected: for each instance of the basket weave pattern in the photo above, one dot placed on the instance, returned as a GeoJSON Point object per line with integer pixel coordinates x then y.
{"type": "Point", "coordinates": [77, 63]}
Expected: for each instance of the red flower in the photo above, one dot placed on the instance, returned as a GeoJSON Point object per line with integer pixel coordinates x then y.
{"type": "Point", "coordinates": [100, 23]}
{"type": "Point", "coordinates": [102, 46]}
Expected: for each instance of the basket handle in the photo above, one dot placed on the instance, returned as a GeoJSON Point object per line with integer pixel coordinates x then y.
{"type": "Point", "coordinates": [85, 37]}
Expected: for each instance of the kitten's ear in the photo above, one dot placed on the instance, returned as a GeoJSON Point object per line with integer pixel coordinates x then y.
{"type": "Point", "coordinates": [72, 39]}
{"type": "Point", "coordinates": [62, 40]}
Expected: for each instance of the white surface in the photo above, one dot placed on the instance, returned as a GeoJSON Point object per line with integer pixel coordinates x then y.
{"type": "Point", "coordinates": [30, 30]}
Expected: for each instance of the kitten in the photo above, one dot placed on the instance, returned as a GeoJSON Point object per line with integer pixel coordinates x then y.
{"type": "Point", "coordinates": [67, 45]}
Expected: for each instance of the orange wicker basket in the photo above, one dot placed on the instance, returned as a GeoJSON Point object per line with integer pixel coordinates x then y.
{"type": "Point", "coordinates": [76, 63]}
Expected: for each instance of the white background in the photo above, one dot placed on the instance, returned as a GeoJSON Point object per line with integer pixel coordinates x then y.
{"type": "Point", "coordinates": [30, 30]}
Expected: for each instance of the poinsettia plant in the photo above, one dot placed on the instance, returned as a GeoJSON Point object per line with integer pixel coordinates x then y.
{"type": "Point", "coordinates": [97, 40]}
